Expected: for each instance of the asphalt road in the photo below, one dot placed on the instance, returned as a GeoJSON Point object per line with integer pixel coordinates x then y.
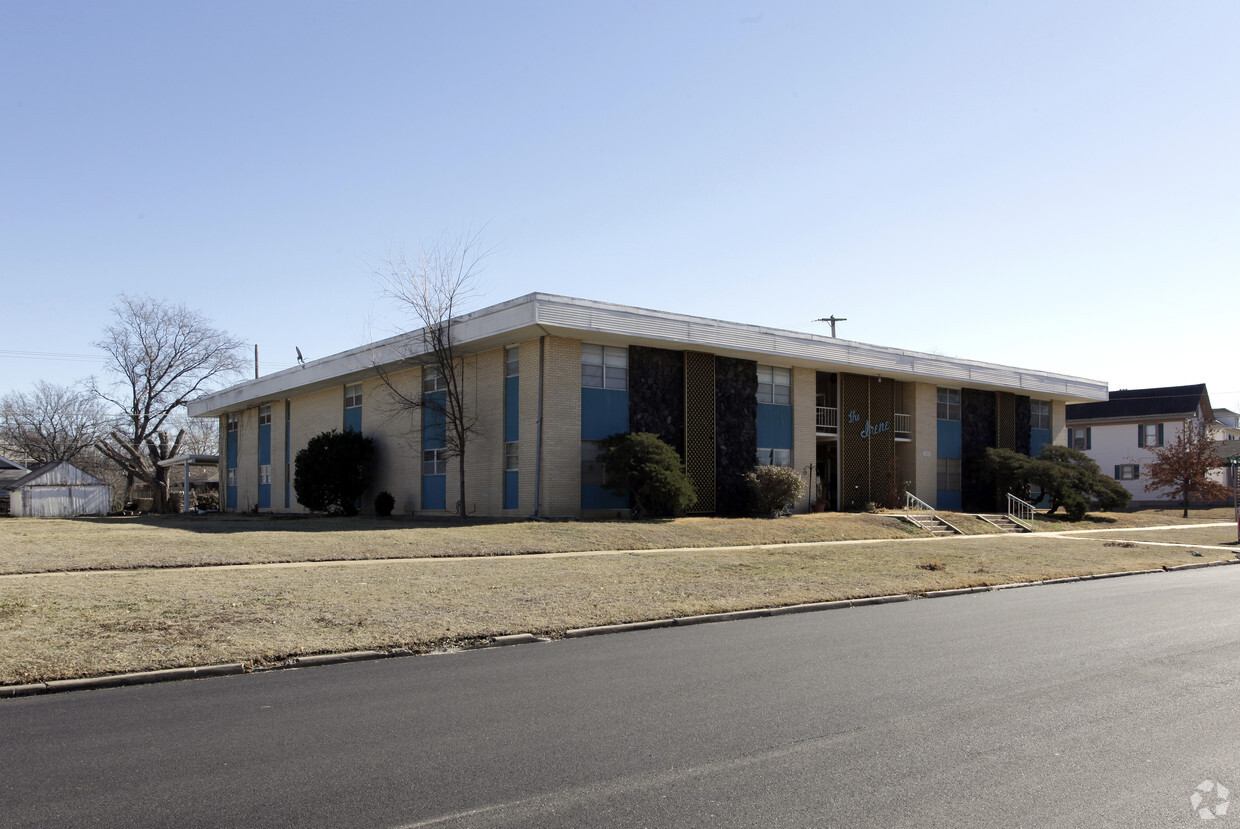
{"type": "Point", "coordinates": [1095, 704]}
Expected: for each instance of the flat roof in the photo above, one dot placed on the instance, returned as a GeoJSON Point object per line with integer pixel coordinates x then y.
{"type": "Point", "coordinates": [536, 314]}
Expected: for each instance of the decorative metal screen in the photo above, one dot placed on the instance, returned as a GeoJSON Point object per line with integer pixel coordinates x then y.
{"type": "Point", "coordinates": [867, 441]}
{"type": "Point", "coordinates": [700, 427]}
{"type": "Point", "coordinates": [1007, 421]}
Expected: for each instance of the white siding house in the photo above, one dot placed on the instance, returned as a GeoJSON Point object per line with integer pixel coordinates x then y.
{"type": "Point", "coordinates": [58, 490]}
{"type": "Point", "coordinates": [1120, 433]}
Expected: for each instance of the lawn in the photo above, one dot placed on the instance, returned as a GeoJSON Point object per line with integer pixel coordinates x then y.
{"type": "Point", "coordinates": [31, 546]}
{"type": "Point", "coordinates": [67, 624]}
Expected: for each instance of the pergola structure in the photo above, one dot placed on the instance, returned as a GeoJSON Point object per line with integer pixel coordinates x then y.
{"type": "Point", "coordinates": [186, 461]}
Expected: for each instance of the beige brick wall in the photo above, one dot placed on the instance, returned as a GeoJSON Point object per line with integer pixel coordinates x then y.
{"type": "Point", "coordinates": [1059, 423]}
{"type": "Point", "coordinates": [925, 446]}
{"type": "Point", "coordinates": [247, 460]}
{"type": "Point", "coordinates": [804, 428]}
{"type": "Point", "coordinates": [311, 414]}
{"type": "Point", "coordinates": [396, 429]}
{"type": "Point", "coordinates": [561, 466]}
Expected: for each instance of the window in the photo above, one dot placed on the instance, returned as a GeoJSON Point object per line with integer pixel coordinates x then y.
{"type": "Point", "coordinates": [949, 405]}
{"type": "Point", "coordinates": [775, 385]}
{"type": "Point", "coordinates": [1127, 472]}
{"type": "Point", "coordinates": [232, 477]}
{"type": "Point", "coordinates": [512, 361]}
{"type": "Point", "coordinates": [1080, 438]}
{"type": "Point", "coordinates": [593, 472]}
{"type": "Point", "coordinates": [435, 462]}
{"type": "Point", "coordinates": [511, 457]}
{"type": "Point", "coordinates": [264, 474]}
{"type": "Point", "coordinates": [1039, 414]}
{"type": "Point", "coordinates": [232, 421]}
{"type": "Point", "coordinates": [264, 415]}
{"type": "Point", "coordinates": [1150, 434]}
{"type": "Point", "coordinates": [352, 395]}
{"type": "Point", "coordinates": [774, 457]}
{"type": "Point", "coordinates": [432, 380]}
{"type": "Point", "coordinates": [604, 367]}
{"type": "Point", "coordinates": [949, 474]}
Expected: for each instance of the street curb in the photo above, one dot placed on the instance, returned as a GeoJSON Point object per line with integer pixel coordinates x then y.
{"type": "Point", "coordinates": [232, 668]}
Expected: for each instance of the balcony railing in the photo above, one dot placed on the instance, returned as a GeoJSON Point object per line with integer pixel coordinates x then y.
{"type": "Point", "coordinates": [904, 425]}
{"type": "Point", "coordinates": [828, 420]}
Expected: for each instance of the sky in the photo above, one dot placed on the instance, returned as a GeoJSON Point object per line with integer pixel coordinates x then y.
{"type": "Point", "coordinates": [1050, 185]}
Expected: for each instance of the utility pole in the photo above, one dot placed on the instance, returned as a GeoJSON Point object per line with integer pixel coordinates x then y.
{"type": "Point", "coordinates": [833, 320]}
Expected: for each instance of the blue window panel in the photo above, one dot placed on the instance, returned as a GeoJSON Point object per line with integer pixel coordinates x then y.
{"type": "Point", "coordinates": [264, 444]}
{"type": "Point", "coordinates": [510, 489]}
{"type": "Point", "coordinates": [512, 400]}
{"type": "Point", "coordinates": [596, 496]}
{"type": "Point", "coordinates": [950, 441]}
{"type": "Point", "coordinates": [288, 466]}
{"type": "Point", "coordinates": [948, 499]}
{"type": "Point", "coordinates": [264, 496]}
{"type": "Point", "coordinates": [231, 450]}
{"type": "Point", "coordinates": [603, 412]}
{"type": "Point", "coordinates": [774, 426]}
{"type": "Point", "coordinates": [353, 419]}
{"type": "Point", "coordinates": [434, 421]}
{"type": "Point", "coordinates": [1037, 439]}
{"type": "Point", "coordinates": [434, 492]}
{"type": "Point", "coordinates": [231, 498]}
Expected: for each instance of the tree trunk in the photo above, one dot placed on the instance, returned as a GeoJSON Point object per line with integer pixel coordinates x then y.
{"type": "Point", "coordinates": [460, 459]}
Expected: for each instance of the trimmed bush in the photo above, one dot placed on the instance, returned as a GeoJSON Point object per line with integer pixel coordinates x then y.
{"type": "Point", "coordinates": [384, 504]}
{"type": "Point", "coordinates": [333, 471]}
{"type": "Point", "coordinates": [649, 472]}
{"type": "Point", "coordinates": [774, 487]}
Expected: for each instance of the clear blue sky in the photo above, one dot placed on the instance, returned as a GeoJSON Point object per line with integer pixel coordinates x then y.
{"type": "Point", "coordinates": [1053, 185]}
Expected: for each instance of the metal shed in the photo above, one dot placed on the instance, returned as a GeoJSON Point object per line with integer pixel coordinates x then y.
{"type": "Point", "coordinates": [58, 490]}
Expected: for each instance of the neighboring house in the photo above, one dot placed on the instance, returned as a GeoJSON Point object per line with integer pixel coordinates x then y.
{"type": "Point", "coordinates": [549, 377]}
{"type": "Point", "coordinates": [1119, 433]}
{"type": "Point", "coordinates": [58, 490]}
{"type": "Point", "coordinates": [10, 471]}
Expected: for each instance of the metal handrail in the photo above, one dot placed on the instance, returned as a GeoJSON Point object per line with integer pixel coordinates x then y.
{"type": "Point", "coordinates": [1021, 512]}
{"type": "Point", "coordinates": [914, 504]}
{"type": "Point", "coordinates": [904, 424]}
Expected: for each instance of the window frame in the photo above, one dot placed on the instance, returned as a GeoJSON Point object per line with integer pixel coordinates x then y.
{"type": "Point", "coordinates": [264, 414]}
{"type": "Point", "coordinates": [604, 366]}
{"type": "Point", "coordinates": [774, 456]}
{"type": "Point", "coordinates": [352, 400]}
{"type": "Point", "coordinates": [948, 471]}
{"type": "Point", "coordinates": [1127, 472]}
{"type": "Point", "coordinates": [512, 456]}
{"type": "Point", "coordinates": [433, 380]}
{"type": "Point", "coordinates": [434, 460]}
{"type": "Point", "coordinates": [512, 361]}
{"type": "Point", "coordinates": [948, 408]}
{"type": "Point", "coordinates": [1040, 414]}
{"type": "Point", "coordinates": [774, 385]}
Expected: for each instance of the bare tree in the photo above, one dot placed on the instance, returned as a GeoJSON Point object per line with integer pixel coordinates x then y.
{"type": "Point", "coordinates": [1183, 467]}
{"type": "Point", "coordinates": [52, 423]}
{"type": "Point", "coordinates": [162, 355]}
{"type": "Point", "coordinates": [433, 287]}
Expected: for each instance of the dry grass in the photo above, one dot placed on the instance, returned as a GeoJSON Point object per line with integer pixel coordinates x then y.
{"type": "Point", "coordinates": [32, 546]}
{"type": "Point", "coordinates": [43, 545]}
{"type": "Point", "coordinates": [81, 624]}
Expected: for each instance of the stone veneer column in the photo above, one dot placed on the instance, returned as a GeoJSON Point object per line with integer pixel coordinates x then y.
{"type": "Point", "coordinates": [804, 429]}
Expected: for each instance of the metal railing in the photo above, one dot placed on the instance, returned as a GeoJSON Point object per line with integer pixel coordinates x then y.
{"type": "Point", "coordinates": [1020, 511]}
{"type": "Point", "coordinates": [904, 425]}
{"type": "Point", "coordinates": [828, 419]}
{"type": "Point", "coordinates": [914, 504]}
